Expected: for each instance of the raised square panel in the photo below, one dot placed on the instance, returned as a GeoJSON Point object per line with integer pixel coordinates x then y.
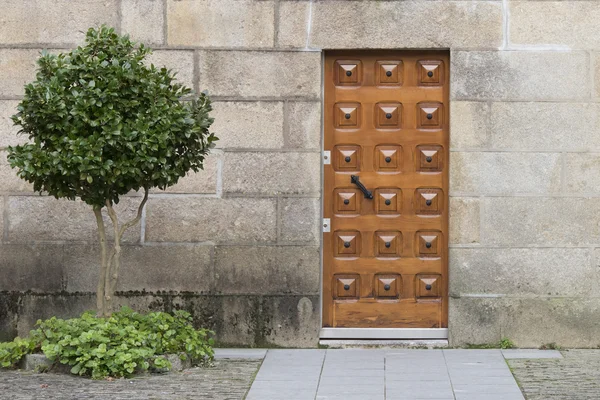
{"type": "Point", "coordinates": [348, 72]}
{"type": "Point", "coordinates": [347, 115]}
{"type": "Point", "coordinates": [347, 243]}
{"type": "Point", "coordinates": [346, 158]}
{"type": "Point", "coordinates": [429, 201]}
{"type": "Point", "coordinates": [388, 201]}
{"type": "Point", "coordinates": [428, 286]}
{"type": "Point", "coordinates": [388, 286]}
{"type": "Point", "coordinates": [390, 72]}
{"type": "Point", "coordinates": [431, 72]}
{"type": "Point", "coordinates": [388, 243]}
{"type": "Point", "coordinates": [346, 286]}
{"type": "Point", "coordinates": [388, 158]}
{"type": "Point", "coordinates": [428, 244]}
{"type": "Point", "coordinates": [347, 201]}
{"type": "Point", "coordinates": [430, 115]}
{"type": "Point", "coordinates": [430, 158]}
{"type": "Point", "coordinates": [388, 115]}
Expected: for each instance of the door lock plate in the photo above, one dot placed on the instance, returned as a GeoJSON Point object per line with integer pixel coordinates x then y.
{"type": "Point", "coordinates": [326, 157]}
{"type": "Point", "coordinates": [326, 225]}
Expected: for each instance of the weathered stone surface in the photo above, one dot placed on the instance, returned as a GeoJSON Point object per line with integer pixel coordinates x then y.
{"type": "Point", "coordinates": [596, 71]}
{"type": "Point", "coordinates": [203, 181]}
{"type": "Point", "coordinates": [474, 321]}
{"type": "Point", "coordinates": [523, 272]}
{"type": "Point", "coordinates": [17, 67]}
{"type": "Point", "coordinates": [582, 173]}
{"type": "Point", "coordinates": [527, 221]}
{"type": "Point", "coordinates": [570, 322]}
{"type": "Point", "coordinates": [267, 270]}
{"type": "Point", "coordinates": [464, 220]}
{"type": "Point", "coordinates": [304, 125]}
{"type": "Point", "coordinates": [143, 20]}
{"type": "Point", "coordinates": [53, 21]}
{"type": "Point", "coordinates": [42, 218]}
{"type": "Point", "coordinates": [261, 74]}
{"type": "Point", "coordinates": [519, 75]}
{"type": "Point", "coordinates": [176, 268]}
{"type": "Point", "coordinates": [8, 131]}
{"type": "Point", "coordinates": [36, 268]}
{"type": "Point", "coordinates": [300, 220]}
{"type": "Point", "coordinates": [189, 219]}
{"type": "Point", "coordinates": [201, 23]}
{"type": "Point", "coordinates": [10, 182]}
{"type": "Point", "coordinates": [271, 173]}
{"type": "Point", "coordinates": [1, 217]}
{"type": "Point", "coordinates": [557, 24]}
{"type": "Point", "coordinates": [9, 305]}
{"type": "Point", "coordinates": [417, 24]}
{"type": "Point", "coordinates": [468, 128]}
{"type": "Point", "coordinates": [180, 61]}
{"type": "Point", "coordinates": [293, 321]}
{"type": "Point", "coordinates": [505, 173]}
{"type": "Point", "coordinates": [544, 126]}
{"type": "Point", "coordinates": [257, 125]}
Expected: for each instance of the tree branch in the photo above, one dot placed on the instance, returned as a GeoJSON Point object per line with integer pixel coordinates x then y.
{"type": "Point", "coordinates": [138, 217]}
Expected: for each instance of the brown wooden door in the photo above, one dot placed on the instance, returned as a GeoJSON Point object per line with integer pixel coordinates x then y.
{"type": "Point", "coordinates": [386, 123]}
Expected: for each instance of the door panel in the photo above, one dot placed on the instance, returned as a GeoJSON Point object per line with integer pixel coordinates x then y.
{"type": "Point", "coordinates": [386, 125]}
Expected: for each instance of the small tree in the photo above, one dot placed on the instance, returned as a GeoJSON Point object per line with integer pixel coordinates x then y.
{"type": "Point", "coordinates": [101, 123]}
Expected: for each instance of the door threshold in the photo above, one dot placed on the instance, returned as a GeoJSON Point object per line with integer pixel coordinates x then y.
{"type": "Point", "coordinates": [384, 333]}
{"type": "Point", "coordinates": [378, 343]}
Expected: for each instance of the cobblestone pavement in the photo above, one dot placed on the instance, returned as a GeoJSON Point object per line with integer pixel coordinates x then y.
{"type": "Point", "coordinates": [576, 376]}
{"type": "Point", "coordinates": [227, 380]}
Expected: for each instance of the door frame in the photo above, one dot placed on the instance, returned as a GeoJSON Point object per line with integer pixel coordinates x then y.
{"type": "Point", "coordinates": [377, 333]}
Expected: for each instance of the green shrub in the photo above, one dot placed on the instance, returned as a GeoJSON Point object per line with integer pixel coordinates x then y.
{"type": "Point", "coordinates": [116, 346]}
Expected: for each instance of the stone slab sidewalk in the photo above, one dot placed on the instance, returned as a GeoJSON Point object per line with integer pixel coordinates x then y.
{"type": "Point", "coordinates": [374, 374]}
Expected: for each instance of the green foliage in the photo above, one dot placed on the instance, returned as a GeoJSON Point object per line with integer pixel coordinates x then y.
{"type": "Point", "coordinates": [12, 352]}
{"type": "Point", "coordinates": [101, 123]}
{"type": "Point", "coordinates": [504, 343]}
{"type": "Point", "coordinates": [117, 346]}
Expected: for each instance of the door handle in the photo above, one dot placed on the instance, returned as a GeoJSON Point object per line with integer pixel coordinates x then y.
{"type": "Point", "coordinates": [355, 179]}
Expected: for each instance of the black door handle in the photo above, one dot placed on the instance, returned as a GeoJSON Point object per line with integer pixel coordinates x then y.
{"type": "Point", "coordinates": [355, 179]}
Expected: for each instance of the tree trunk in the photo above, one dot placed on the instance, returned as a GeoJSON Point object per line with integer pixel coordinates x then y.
{"type": "Point", "coordinates": [112, 265]}
{"type": "Point", "coordinates": [100, 305]}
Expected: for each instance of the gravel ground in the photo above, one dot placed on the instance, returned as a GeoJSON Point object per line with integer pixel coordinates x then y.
{"type": "Point", "coordinates": [227, 380]}
{"type": "Point", "coordinates": [576, 376]}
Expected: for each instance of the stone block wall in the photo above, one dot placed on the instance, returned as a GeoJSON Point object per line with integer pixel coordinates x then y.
{"type": "Point", "coordinates": [239, 243]}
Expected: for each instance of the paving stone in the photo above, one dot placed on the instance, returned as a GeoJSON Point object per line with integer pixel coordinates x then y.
{"type": "Point", "coordinates": [513, 354]}
{"type": "Point", "coordinates": [228, 379]}
{"type": "Point", "coordinates": [576, 376]}
{"type": "Point", "coordinates": [240, 354]}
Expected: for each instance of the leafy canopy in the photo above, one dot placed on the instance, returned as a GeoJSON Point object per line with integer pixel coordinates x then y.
{"type": "Point", "coordinates": [101, 123]}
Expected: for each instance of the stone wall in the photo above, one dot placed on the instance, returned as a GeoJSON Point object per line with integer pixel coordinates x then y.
{"type": "Point", "coordinates": [238, 244]}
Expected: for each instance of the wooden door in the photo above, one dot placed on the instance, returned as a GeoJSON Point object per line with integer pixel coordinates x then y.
{"type": "Point", "coordinates": [386, 127]}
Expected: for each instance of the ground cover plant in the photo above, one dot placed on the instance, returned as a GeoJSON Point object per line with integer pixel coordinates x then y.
{"type": "Point", "coordinates": [117, 346]}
